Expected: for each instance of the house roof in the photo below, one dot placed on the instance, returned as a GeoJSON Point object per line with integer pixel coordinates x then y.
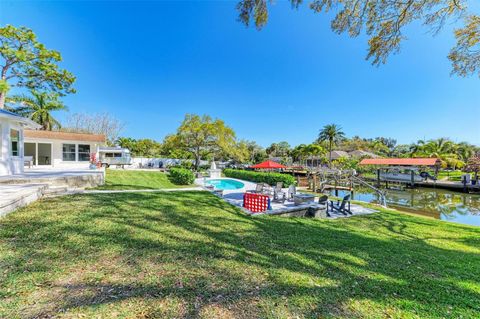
{"type": "Point", "coordinates": [361, 153]}
{"type": "Point", "coordinates": [338, 154]}
{"type": "Point", "coordinates": [401, 161]}
{"type": "Point", "coordinates": [57, 135]}
{"type": "Point", "coordinates": [20, 119]}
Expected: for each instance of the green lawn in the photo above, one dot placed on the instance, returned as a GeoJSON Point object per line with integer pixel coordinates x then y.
{"type": "Point", "coordinates": [191, 255]}
{"type": "Point", "coordinates": [117, 179]}
{"type": "Point", "coordinates": [455, 176]}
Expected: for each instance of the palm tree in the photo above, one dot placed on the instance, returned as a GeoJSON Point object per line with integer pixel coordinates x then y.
{"type": "Point", "coordinates": [333, 134]}
{"type": "Point", "coordinates": [37, 107]}
{"type": "Point", "coordinates": [441, 148]}
{"type": "Point", "coordinates": [465, 151]}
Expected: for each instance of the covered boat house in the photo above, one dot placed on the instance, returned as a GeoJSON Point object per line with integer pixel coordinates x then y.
{"type": "Point", "coordinates": [403, 170]}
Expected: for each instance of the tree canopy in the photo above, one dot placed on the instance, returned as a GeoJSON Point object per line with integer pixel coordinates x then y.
{"type": "Point", "coordinates": [202, 136]}
{"type": "Point", "coordinates": [141, 147]}
{"type": "Point", "coordinates": [96, 123]}
{"type": "Point", "coordinates": [332, 134]}
{"type": "Point", "coordinates": [38, 106]}
{"type": "Point", "coordinates": [27, 63]}
{"type": "Point", "coordinates": [384, 23]}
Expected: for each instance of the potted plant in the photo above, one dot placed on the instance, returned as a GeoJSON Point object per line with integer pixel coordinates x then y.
{"type": "Point", "coordinates": [93, 160]}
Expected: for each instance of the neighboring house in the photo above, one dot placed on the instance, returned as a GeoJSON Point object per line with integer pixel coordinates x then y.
{"type": "Point", "coordinates": [11, 141]}
{"type": "Point", "coordinates": [315, 161]}
{"type": "Point", "coordinates": [61, 149]}
{"type": "Point", "coordinates": [362, 154]}
{"type": "Point", "coordinates": [337, 155]}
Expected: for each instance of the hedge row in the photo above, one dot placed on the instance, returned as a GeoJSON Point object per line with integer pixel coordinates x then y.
{"type": "Point", "coordinates": [260, 177]}
{"type": "Point", "coordinates": [181, 176]}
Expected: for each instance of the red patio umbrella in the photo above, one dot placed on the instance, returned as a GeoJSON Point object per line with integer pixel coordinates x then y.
{"type": "Point", "coordinates": [268, 164]}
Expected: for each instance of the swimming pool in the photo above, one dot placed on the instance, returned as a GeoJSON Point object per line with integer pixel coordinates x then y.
{"type": "Point", "coordinates": [225, 184]}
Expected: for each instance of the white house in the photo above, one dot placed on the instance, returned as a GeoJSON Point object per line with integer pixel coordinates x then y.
{"type": "Point", "coordinates": [61, 149]}
{"type": "Point", "coordinates": [11, 141]}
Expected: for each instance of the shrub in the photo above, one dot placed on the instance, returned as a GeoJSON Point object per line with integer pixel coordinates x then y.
{"type": "Point", "coordinates": [186, 164]}
{"type": "Point", "coordinates": [260, 177]}
{"type": "Point", "coordinates": [181, 176]}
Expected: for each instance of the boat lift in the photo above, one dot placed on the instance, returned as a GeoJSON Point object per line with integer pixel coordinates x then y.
{"type": "Point", "coordinates": [322, 179]}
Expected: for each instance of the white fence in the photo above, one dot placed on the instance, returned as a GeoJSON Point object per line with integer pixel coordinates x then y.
{"type": "Point", "coordinates": [145, 162]}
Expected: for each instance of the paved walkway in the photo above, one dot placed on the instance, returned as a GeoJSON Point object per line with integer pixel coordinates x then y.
{"type": "Point", "coordinates": [115, 191]}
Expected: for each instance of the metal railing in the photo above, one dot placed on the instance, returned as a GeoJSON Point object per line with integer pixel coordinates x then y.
{"type": "Point", "coordinates": [383, 199]}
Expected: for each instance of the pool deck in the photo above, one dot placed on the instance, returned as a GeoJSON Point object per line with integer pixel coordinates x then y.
{"type": "Point", "coordinates": [235, 197]}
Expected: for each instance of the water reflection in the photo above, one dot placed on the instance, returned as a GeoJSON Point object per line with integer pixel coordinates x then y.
{"type": "Point", "coordinates": [436, 203]}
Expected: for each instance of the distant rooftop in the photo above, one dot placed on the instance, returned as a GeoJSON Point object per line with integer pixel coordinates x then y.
{"type": "Point", "coordinates": [338, 154]}
{"type": "Point", "coordinates": [361, 153]}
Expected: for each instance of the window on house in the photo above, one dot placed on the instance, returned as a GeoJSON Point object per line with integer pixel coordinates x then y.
{"type": "Point", "coordinates": [14, 140]}
{"type": "Point", "coordinates": [83, 152]}
{"type": "Point", "coordinates": [68, 151]}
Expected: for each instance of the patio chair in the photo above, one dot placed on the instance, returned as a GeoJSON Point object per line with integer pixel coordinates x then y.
{"type": "Point", "coordinates": [258, 189]}
{"type": "Point", "coordinates": [341, 207]}
{"type": "Point", "coordinates": [267, 189]}
{"type": "Point", "coordinates": [292, 190]}
{"type": "Point", "coordinates": [28, 160]}
{"type": "Point", "coordinates": [278, 194]}
{"type": "Point", "coordinates": [323, 200]}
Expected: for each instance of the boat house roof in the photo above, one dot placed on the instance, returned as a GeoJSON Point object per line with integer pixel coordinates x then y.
{"type": "Point", "coordinates": [401, 161]}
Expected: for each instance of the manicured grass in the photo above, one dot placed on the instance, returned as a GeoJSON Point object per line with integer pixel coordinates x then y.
{"type": "Point", "coordinates": [117, 179]}
{"type": "Point", "coordinates": [455, 176]}
{"type": "Point", "coordinates": [190, 255]}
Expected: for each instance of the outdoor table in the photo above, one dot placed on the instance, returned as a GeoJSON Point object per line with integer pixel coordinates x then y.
{"type": "Point", "coordinates": [300, 199]}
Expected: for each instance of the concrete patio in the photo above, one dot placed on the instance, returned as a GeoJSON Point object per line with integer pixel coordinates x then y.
{"type": "Point", "coordinates": [235, 197]}
{"type": "Point", "coordinates": [21, 189]}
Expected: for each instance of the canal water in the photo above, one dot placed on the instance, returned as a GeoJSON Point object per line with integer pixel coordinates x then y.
{"type": "Point", "coordinates": [436, 203]}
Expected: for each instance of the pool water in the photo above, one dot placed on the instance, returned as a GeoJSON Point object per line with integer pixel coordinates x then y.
{"type": "Point", "coordinates": [225, 184]}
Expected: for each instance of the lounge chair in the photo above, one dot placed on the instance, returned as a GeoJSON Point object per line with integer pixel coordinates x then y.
{"type": "Point", "coordinates": [341, 207]}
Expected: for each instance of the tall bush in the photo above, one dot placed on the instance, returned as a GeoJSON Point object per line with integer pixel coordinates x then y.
{"type": "Point", "coordinates": [260, 177]}
{"type": "Point", "coordinates": [181, 176]}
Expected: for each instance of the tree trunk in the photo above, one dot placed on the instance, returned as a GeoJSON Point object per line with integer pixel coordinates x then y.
{"type": "Point", "coordinates": [197, 160]}
{"type": "Point", "coordinates": [2, 100]}
{"type": "Point", "coordinates": [330, 154]}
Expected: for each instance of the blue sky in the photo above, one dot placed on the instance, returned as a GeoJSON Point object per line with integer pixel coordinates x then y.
{"type": "Point", "coordinates": [149, 63]}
